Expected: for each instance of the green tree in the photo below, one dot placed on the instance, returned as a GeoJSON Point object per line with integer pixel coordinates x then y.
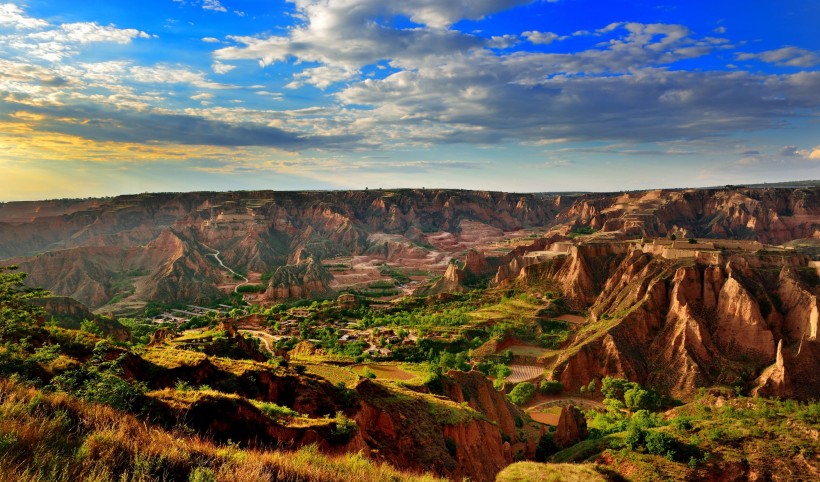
{"type": "Point", "coordinates": [549, 387]}
{"type": "Point", "coordinates": [17, 314]}
{"type": "Point", "coordinates": [522, 393]}
{"type": "Point", "coordinates": [660, 443]}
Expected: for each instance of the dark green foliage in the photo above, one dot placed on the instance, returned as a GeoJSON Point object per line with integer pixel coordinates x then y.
{"type": "Point", "coordinates": [451, 446]}
{"type": "Point", "coordinates": [17, 314]}
{"type": "Point", "coordinates": [549, 387]}
{"type": "Point", "coordinates": [546, 447]}
{"type": "Point", "coordinates": [522, 393]}
{"type": "Point", "coordinates": [251, 288]}
{"type": "Point", "coordinates": [634, 438]}
{"type": "Point", "coordinates": [660, 443]}
{"type": "Point", "coordinates": [632, 395]}
{"type": "Point", "coordinates": [343, 430]}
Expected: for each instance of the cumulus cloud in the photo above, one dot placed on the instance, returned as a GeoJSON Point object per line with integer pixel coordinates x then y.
{"type": "Point", "coordinates": [786, 56]}
{"type": "Point", "coordinates": [213, 5]}
{"type": "Point", "coordinates": [556, 163]}
{"type": "Point", "coordinates": [541, 38]}
{"type": "Point", "coordinates": [345, 35]}
{"type": "Point", "coordinates": [613, 92]}
{"type": "Point", "coordinates": [221, 68]}
{"type": "Point", "coordinates": [12, 16]}
{"type": "Point", "coordinates": [36, 38]}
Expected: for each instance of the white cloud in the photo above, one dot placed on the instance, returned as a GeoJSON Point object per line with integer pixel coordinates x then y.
{"type": "Point", "coordinates": [786, 56]}
{"type": "Point", "coordinates": [36, 38]}
{"type": "Point", "coordinates": [345, 35]}
{"type": "Point", "coordinates": [556, 163]}
{"type": "Point", "coordinates": [213, 5]}
{"type": "Point", "coordinates": [220, 68]}
{"type": "Point", "coordinates": [12, 16]}
{"type": "Point", "coordinates": [541, 38]}
{"type": "Point", "coordinates": [503, 41]}
{"type": "Point", "coordinates": [210, 40]}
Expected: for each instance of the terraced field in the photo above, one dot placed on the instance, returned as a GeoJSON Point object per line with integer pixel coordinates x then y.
{"type": "Point", "coordinates": [333, 374]}
{"type": "Point", "coordinates": [386, 372]}
{"type": "Point", "coordinates": [509, 309]}
{"type": "Point", "coordinates": [523, 373]}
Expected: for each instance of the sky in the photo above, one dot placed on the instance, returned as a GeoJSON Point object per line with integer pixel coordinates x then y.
{"type": "Point", "coordinates": [101, 98]}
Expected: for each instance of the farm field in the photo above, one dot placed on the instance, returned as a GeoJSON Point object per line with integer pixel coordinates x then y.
{"type": "Point", "coordinates": [571, 318]}
{"type": "Point", "coordinates": [529, 350]}
{"type": "Point", "coordinates": [332, 373]}
{"type": "Point", "coordinates": [523, 373]}
{"type": "Point", "coordinates": [384, 371]}
{"type": "Point", "coordinates": [547, 416]}
{"type": "Point", "coordinates": [510, 309]}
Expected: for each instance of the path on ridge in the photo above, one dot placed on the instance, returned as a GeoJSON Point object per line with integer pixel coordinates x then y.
{"type": "Point", "coordinates": [263, 337]}
{"type": "Point", "coordinates": [215, 254]}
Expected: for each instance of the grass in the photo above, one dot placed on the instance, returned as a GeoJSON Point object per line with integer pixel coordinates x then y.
{"type": "Point", "coordinates": [172, 357]}
{"type": "Point", "coordinates": [715, 435]}
{"type": "Point", "coordinates": [387, 371]}
{"type": "Point", "coordinates": [54, 438]}
{"type": "Point", "coordinates": [529, 471]}
{"type": "Point", "coordinates": [333, 374]}
{"type": "Point", "coordinates": [518, 308]}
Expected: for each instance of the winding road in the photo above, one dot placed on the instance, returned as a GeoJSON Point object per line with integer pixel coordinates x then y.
{"type": "Point", "coordinates": [215, 254]}
{"type": "Point", "coordinates": [263, 337]}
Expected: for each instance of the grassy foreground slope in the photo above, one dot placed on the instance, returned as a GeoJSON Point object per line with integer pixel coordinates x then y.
{"type": "Point", "coordinates": [54, 437]}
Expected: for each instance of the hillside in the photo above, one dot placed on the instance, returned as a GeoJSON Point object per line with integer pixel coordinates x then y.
{"type": "Point", "coordinates": [117, 254]}
{"type": "Point", "coordinates": [635, 336]}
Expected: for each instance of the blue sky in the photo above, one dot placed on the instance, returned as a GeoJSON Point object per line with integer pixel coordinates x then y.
{"type": "Point", "coordinates": [102, 98]}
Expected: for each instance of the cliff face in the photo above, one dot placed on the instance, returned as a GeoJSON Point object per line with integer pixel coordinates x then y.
{"type": "Point", "coordinates": [92, 249]}
{"type": "Point", "coordinates": [771, 216]}
{"type": "Point", "coordinates": [681, 324]}
{"type": "Point", "coordinates": [113, 248]}
{"type": "Point", "coordinates": [308, 279]}
{"type": "Point", "coordinates": [456, 435]}
{"type": "Point", "coordinates": [413, 437]}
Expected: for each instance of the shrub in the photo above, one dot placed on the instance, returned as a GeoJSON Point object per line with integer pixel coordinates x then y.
{"type": "Point", "coordinates": [522, 393]}
{"type": "Point", "coordinates": [634, 438]}
{"type": "Point", "coordinates": [659, 443]}
{"type": "Point", "coordinates": [344, 429]}
{"type": "Point", "coordinates": [202, 474]}
{"type": "Point", "coordinates": [451, 446]}
{"type": "Point", "coordinates": [549, 387]}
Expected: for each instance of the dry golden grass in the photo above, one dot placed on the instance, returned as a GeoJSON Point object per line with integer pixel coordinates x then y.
{"type": "Point", "coordinates": [55, 438]}
{"type": "Point", "coordinates": [531, 471]}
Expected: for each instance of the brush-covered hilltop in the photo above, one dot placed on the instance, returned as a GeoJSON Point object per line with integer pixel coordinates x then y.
{"type": "Point", "coordinates": [412, 335]}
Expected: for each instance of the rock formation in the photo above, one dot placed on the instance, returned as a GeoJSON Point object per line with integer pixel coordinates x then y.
{"type": "Point", "coordinates": [572, 427]}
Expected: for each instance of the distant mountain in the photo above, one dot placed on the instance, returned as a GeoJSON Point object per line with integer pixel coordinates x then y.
{"type": "Point", "coordinates": [116, 254]}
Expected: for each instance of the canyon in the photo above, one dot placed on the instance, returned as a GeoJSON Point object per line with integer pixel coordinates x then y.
{"type": "Point", "coordinates": [117, 254]}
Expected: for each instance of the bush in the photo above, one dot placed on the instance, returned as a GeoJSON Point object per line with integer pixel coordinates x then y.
{"type": "Point", "coordinates": [659, 443]}
{"type": "Point", "coordinates": [344, 429]}
{"type": "Point", "coordinates": [635, 437]}
{"type": "Point", "coordinates": [549, 387]}
{"type": "Point", "coordinates": [451, 446]}
{"type": "Point", "coordinates": [202, 474]}
{"type": "Point", "coordinates": [522, 393]}
{"type": "Point", "coordinates": [546, 447]}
